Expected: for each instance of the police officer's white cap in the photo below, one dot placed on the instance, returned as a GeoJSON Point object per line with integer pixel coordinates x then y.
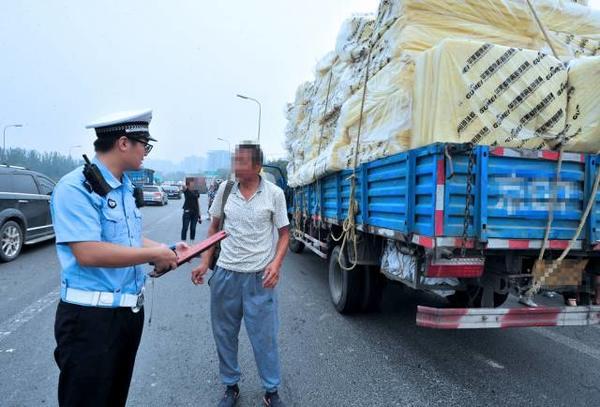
{"type": "Point", "coordinates": [131, 123]}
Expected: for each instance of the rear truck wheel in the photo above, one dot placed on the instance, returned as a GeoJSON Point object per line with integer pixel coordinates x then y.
{"type": "Point", "coordinates": [295, 245]}
{"type": "Point", "coordinates": [345, 287]}
{"type": "Point", "coordinates": [11, 241]}
{"type": "Point", "coordinates": [374, 284]}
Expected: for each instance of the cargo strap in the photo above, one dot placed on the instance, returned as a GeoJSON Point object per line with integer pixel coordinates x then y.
{"type": "Point", "coordinates": [542, 29]}
{"type": "Point", "coordinates": [349, 224]}
{"type": "Point", "coordinates": [556, 263]}
{"type": "Point", "coordinates": [318, 184]}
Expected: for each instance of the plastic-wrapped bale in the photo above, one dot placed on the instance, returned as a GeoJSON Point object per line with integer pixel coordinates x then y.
{"type": "Point", "coordinates": [573, 46]}
{"type": "Point", "coordinates": [386, 117]}
{"type": "Point", "coordinates": [582, 133]}
{"type": "Point", "coordinates": [353, 38]}
{"type": "Point", "coordinates": [385, 128]}
{"type": "Point", "coordinates": [468, 91]}
{"type": "Point", "coordinates": [510, 23]}
{"type": "Point", "coordinates": [330, 159]}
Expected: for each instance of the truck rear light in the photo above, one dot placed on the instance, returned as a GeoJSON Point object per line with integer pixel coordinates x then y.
{"type": "Point", "coordinates": [461, 268]}
{"type": "Point", "coordinates": [157, 195]}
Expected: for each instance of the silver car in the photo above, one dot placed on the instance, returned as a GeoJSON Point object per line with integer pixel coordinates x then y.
{"type": "Point", "coordinates": [154, 194]}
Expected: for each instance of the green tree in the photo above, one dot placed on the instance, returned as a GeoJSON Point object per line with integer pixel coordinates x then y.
{"type": "Point", "coordinates": [51, 164]}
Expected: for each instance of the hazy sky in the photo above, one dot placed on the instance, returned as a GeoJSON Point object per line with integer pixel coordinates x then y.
{"type": "Point", "coordinates": [66, 62]}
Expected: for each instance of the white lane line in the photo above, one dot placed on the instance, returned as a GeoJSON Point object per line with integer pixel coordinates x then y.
{"type": "Point", "coordinates": [488, 361]}
{"type": "Point", "coordinates": [12, 324]}
{"type": "Point", "coordinates": [569, 342]}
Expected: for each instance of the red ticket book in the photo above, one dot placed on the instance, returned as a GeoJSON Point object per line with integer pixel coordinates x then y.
{"type": "Point", "coordinates": [185, 255]}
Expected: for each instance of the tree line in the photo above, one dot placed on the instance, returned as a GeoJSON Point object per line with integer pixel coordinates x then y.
{"type": "Point", "coordinates": [52, 164]}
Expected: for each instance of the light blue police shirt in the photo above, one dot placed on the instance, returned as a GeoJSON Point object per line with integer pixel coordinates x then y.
{"type": "Point", "coordinates": [83, 216]}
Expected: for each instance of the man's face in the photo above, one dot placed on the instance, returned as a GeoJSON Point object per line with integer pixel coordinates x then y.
{"type": "Point", "coordinates": [135, 152]}
{"type": "Point", "coordinates": [242, 164]}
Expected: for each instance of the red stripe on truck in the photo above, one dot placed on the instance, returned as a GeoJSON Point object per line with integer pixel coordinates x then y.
{"type": "Point", "coordinates": [441, 173]}
{"type": "Point", "coordinates": [558, 244]}
{"type": "Point", "coordinates": [428, 317]}
{"type": "Point", "coordinates": [550, 155]}
{"type": "Point", "coordinates": [439, 223]}
{"type": "Point", "coordinates": [518, 244]}
{"type": "Point", "coordinates": [521, 317]}
{"type": "Point", "coordinates": [499, 151]}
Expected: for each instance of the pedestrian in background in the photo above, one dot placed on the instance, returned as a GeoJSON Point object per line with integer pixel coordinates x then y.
{"type": "Point", "coordinates": [191, 211]}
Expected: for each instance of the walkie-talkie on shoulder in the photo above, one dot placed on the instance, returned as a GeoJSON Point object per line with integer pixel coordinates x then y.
{"type": "Point", "coordinates": [94, 178]}
{"type": "Point", "coordinates": [138, 194]}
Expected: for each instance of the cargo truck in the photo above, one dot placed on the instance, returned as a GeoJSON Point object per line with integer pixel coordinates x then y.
{"type": "Point", "coordinates": [464, 222]}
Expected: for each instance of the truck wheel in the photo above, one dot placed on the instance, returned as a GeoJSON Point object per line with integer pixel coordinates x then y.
{"type": "Point", "coordinates": [11, 240]}
{"type": "Point", "coordinates": [295, 246]}
{"type": "Point", "coordinates": [345, 287]}
{"type": "Point", "coordinates": [374, 284]}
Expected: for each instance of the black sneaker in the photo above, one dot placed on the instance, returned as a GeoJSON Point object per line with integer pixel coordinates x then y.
{"type": "Point", "coordinates": [272, 400]}
{"type": "Point", "coordinates": [231, 396]}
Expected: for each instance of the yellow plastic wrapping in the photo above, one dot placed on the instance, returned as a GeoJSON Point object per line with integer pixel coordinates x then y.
{"type": "Point", "coordinates": [468, 91]}
{"type": "Point", "coordinates": [386, 118]}
{"type": "Point", "coordinates": [582, 133]}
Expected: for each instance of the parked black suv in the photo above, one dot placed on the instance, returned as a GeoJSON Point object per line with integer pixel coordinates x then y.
{"type": "Point", "coordinates": [24, 210]}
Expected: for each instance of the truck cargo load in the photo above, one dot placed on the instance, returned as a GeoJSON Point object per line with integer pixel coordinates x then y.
{"type": "Point", "coordinates": [452, 146]}
{"type": "Point", "coordinates": [383, 49]}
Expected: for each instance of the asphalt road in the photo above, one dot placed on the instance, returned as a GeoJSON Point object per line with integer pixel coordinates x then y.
{"type": "Point", "coordinates": [379, 359]}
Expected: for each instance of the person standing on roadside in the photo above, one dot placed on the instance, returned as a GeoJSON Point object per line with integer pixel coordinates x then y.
{"type": "Point", "coordinates": [243, 283]}
{"type": "Point", "coordinates": [191, 211]}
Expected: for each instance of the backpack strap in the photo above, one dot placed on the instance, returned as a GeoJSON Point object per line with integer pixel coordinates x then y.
{"type": "Point", "coordinates": [226, 193]}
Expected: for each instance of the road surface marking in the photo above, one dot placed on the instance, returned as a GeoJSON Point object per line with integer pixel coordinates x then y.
{"type": "Point", "coordinates": [16, 321]}
{"type": "Point", "coordinates": [488, 361]}
{"type": "Point", "coordinates": [569, 342]}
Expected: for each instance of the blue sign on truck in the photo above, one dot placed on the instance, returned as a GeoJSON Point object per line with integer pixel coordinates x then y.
{"type": "Point", "coordinates": [144, 176]}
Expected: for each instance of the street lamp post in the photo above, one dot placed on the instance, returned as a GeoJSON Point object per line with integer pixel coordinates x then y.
{"type": "Point", "coordinates": [259, 110]}
{"type": "Point", "coordinates": [4, 138]}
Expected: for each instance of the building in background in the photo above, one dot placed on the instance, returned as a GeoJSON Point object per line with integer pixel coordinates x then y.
{"type": "Point", "coordinates": [218, 159]}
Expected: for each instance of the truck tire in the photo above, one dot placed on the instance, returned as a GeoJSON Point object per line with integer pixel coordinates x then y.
{"type": "Point", "coordinates": [374, 284]}
{"type": "Point", "coordinates": [345, 287]}
{"type": "Point", "coordinates": [295, 246]}
{"type": "Point", "coordinates": [11, 241]}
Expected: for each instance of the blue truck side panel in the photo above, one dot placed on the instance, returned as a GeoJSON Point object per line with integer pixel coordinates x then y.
{"type": "Point", "coordinates": [510, 196]}
{"type": "Point", "coordinates": [141, 176]}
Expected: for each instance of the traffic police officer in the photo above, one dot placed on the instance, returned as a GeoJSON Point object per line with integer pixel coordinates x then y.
{"type": "Point", "coordinates": [98, 228]}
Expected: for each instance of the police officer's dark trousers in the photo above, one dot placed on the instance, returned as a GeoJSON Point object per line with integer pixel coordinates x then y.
{"type": "Point", "coordinates": [190, 218]}
{"type": "Point", "coordinates": [95, 352]}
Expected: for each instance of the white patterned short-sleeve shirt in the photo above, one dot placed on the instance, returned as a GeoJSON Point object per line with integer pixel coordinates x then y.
{"type": "Point", "coordinates": [252, 226]}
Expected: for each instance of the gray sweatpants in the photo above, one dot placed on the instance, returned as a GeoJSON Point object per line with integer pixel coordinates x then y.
{"type": "Point", "coordinates": [234, 296]}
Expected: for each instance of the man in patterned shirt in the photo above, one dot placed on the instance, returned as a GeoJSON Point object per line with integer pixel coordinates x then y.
{"type": "Point", "coordinates": [243, 282]}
